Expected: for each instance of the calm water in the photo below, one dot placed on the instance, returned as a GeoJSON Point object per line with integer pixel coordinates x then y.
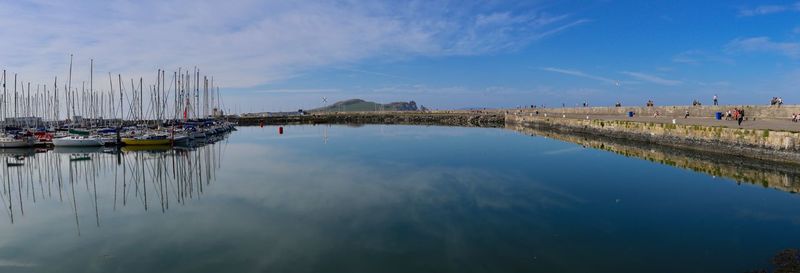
{"type": "Point", "coordinates": [383, 199]}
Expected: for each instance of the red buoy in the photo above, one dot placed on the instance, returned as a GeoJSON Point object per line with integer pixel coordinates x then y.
{"type": "Point", "coordinates": [280, 130]}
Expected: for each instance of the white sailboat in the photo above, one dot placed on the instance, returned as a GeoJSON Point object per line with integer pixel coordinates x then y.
{"type": "Point", "coordinates": [78, 141]}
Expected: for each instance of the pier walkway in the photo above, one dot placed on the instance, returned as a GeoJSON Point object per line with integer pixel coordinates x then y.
{"type": "Point", "coordinates": [763, 124]}
{"type": "Point", "coordinates": [756, 117]}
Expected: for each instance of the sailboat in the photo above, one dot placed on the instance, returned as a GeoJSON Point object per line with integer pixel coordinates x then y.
{"type": "Point", "coordinates": [15, 141]}
{"type": "Point", "coordinates": [78, 141]}
{"type": "Point", "coordinates": [148, 139]}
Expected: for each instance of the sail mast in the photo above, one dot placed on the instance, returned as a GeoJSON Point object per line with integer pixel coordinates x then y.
{"type": "Point", "coordinates": [70, 100]}
{"type": "Point", "coordinates": [5, 109]}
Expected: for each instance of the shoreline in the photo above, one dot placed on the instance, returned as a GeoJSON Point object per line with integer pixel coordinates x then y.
{"type": "Point", "coordinates": [493, 119]}
{"type": "Point", "coordinates": [767, 135]}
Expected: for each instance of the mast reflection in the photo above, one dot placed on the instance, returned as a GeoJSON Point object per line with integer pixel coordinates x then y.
{"type": "Point", "coordinates": [139, 176]}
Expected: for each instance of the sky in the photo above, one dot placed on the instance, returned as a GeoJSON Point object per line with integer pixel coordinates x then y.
{"type": "Point", "coordinates": [289, 55]}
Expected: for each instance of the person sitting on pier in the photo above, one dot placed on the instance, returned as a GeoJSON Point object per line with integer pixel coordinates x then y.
{"type": "Point", "coordinates": [794, 117]}
{"type": "Point", "coordinates": [728, 115]}
{"type": "Point", "coordinates": [687, 114]}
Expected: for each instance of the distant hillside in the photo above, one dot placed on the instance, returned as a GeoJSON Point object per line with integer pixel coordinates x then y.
{"type": "Point", "coordinates": [358, 105]}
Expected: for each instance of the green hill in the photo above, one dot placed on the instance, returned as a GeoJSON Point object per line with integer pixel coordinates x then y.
{"type": "Point", "coordinates": [359, 105]}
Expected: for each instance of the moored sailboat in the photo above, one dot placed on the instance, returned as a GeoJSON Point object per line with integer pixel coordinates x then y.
{"type": "Point", "coordinates": [16, 141]}
{"type": "Point", "coordinates": [147, 140]}
{"type": "Point", "coordinates": [78, 141]}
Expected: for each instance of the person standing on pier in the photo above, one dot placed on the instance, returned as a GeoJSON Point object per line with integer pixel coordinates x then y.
{"type": "Point", "coordinates": [741, 116]}
{"type": "Point", "coordinates": [715, 100]}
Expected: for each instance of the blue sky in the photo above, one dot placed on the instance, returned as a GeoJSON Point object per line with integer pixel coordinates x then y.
{"type": "Point", "coordinates": [284, 55]}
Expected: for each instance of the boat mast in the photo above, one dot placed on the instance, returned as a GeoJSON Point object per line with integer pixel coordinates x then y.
{"type": "Point", "coordinates": [70, 100]}
{"type": "Point", "coordinates": [205, 96]}
{"type": "Point", "coordinates": [121, 108]}
{"type": "Point", "coordinates": [55, 99]}
{"type": "Point", "coordinates": [158, 97]}
{"type": "Point", "coordinates": [212, 96]}
{"type": "Point", "coordinates": [91, 86]}
{"type": "Point", "coordinates": [175, 100]}
{"type": "Point", "coordinates": [141, 94]}
{"type": "Point", "coordinates": [15, 98]}
{"type": "Point", "coordinates": [28, 101]}
{"type": "Point", "coordinates": [197, 92]}
{"type": "Point", "coordinates": [5, 109]}
{"type": "Point", "coordinates": [112, 114]}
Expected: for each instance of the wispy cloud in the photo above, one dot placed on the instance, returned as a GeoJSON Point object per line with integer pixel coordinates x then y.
{"type": "Point", "coordinates": [764, 44]}
{"type": "Point", "coordinates": [652, 78]}
{"type": "Point", "coordinates": [581, 74]}
{"type": "Point", "coordinates": [696, 57]}
{"type": "Point", "coordinates": [251, 42]}
{"type": "Point", "coordinates": [422, 89]}
{"type": "Point", "coordinates": [714, 84]}
{"type": "Point", "coordinates": [370, 72]}
{"type": "Point", "coordinates": [298, 91]}
{"type": "Point", "coordinates": [768, 9]}
{"type": "Point", "coordinates": [562, 28]}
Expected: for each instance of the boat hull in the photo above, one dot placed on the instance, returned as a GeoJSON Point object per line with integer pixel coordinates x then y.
{"type": "Point", "coordinates": [69, 142]}
{"type": "Point", "coordinates": [146, 142]}
{"type": "Point", "coordinates": [17, 143]}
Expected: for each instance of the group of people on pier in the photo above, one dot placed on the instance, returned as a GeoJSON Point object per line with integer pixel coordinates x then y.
{"type": "Point", "coordinates": [776, 101]}
{"type": "Point", "coordinates": [735, 114]}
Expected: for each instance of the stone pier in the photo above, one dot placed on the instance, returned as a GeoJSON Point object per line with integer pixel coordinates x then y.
{"type": "Point", "coordinates": [771, 136]}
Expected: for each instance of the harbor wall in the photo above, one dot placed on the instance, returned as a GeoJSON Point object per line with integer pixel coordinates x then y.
{"type": "Point", "coordinates": [763, 144]}
{"type": "Point", "coordinates": [439, 118]}
{"type": "Point", "coordinates": [751, 111]}
{"type": "Point", "coordinates": [784, 177]}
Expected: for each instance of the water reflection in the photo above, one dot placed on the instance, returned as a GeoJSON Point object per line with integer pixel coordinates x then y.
{"type": "Point", "coordinates": [383, 199]}
{"type": "Point", "coordinates": [142, 176]}
{"type": "Point", "coordinates": [783, 177]}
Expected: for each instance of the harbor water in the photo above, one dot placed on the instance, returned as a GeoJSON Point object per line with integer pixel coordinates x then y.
{"type": "Point", "coordinates": [381, 198]}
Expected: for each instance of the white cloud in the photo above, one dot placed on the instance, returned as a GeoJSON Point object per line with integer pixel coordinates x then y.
{"type": "Point", "coordinates": [581, 74]}
{"type": "Point", "coordinates": [296, 91]}
{"type": "Point", "coordinates": [652, 78]}
{"type": "Point", "coordinates": [762, 10]}
{"type": "Point", "coordinates": [768, 9]}
{"type": "Point", "coordinates": [764, 44]}
{"type": "Point", "coordinates": [715, 84]}
{"type": "Point", "coordinates": [696, 57]}
{"type": "Point", "coordinates": [251, 42]}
